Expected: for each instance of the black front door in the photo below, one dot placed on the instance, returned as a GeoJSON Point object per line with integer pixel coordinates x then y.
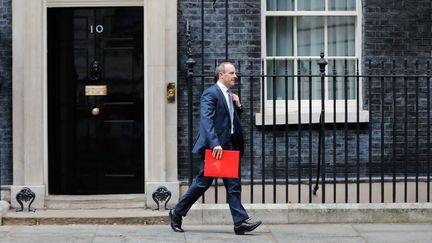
{"type": "Point", "coordinates": [95, 100]}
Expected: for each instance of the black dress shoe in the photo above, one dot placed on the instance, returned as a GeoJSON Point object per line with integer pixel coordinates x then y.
{"type": "Point", "coordinates": [176, 221]}
{"type": "Point", "coordinates": [246, 226]}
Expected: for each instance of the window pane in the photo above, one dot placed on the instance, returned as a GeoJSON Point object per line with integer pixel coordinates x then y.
{"type": "Point", "coordinates": [342, 5]}
{"type": "Point", "coordinates": [307, 67]}
{"type": "Point", "coordinates": [311, 5]}
{"type": "Point", "coordinates": [341, 36]}
{"type": "Point", "coordinates": [279, 36]}
{"type": "Point", "coordinates": [310, 36]}
{"type": "Point", "coordinates": [280, 69]}
{"type": "Point", "coordinates": [340, 67]}
{"type": "Point", "coordinates": [281, 5]}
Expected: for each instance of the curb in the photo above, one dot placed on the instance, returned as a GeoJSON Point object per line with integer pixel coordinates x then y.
{"type": "Point", "coordinates": [219, 214]}
{"type": "Point", "coordinates": [86, 220]}
{"type": "Point", "coordinates": [86, 216]}
{"type": "Point", "coordinates": [316, 213]}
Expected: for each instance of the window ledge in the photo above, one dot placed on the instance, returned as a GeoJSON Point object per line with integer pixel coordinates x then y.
{"type": "Point", "coordinates": [329, 117]}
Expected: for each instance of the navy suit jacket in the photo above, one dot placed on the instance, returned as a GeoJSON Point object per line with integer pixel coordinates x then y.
{"type": "Point", "coordinates": [215, 123]}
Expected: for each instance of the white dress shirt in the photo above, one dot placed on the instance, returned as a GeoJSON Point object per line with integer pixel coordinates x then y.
{"type": "Point", "coordinates": [228, 100]}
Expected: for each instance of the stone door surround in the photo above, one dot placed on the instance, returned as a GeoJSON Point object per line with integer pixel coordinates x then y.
{"type": "Point", "coordinates": [29, 93]}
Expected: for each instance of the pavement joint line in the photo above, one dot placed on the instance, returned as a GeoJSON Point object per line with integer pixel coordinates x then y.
{"type": "Point", "coordinates": [358, 232]}
{"type": "Point", "coordinates": [271, 235]}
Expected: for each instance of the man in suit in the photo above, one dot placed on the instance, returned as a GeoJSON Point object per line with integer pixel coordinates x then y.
{"type": "Point", "coordinates": [219, 129]}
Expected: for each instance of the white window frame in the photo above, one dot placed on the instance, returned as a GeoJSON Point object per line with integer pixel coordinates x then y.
{"type": "Point", "coordinates": [316, 104]}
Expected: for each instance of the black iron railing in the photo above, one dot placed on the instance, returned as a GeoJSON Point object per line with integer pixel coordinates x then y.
{"type": "Point", "coordinates": [367, 145]}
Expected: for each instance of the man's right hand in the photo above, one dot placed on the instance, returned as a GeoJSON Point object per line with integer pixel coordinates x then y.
{"type": "Point", "coordinates": [217, 152]}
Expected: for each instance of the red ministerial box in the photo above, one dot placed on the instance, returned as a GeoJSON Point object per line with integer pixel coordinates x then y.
{"type": "Point", "coordinates": [226, 167]}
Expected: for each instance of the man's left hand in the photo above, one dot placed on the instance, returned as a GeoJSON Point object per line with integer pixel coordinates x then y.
{"type": "Point", "coordinates": [236, 100]}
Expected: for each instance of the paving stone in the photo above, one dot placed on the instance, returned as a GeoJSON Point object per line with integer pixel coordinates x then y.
{"type": "Point", "coordinates": [132, 230]}
{"type": "Point", "coordinates": [323, 240]}
{"type": "Point", "coordinates": [46, 239]}
{"type": "Point", "coordinates": [398, 237]}
{"type": "Point", "coordinates": [392, 227]}
{"type": "Point", "coordinates": [5, 229]}
{"type": "Point", "coordinates": [219, 233]}
{"type": "Point", "coordinates": [312, 230]}
{"type": "Point", "coordinates": [58, 229]}
{"type": "Point", "coordinates": [130, 239]}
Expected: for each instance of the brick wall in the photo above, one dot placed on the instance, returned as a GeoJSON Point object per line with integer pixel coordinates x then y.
{"type": "Point", "coordinates": [244, 45]}
{"type": "Point", "coordinates": [399, 32]}
{"type": "Point", "coordinates": [397, 29]}
{"type": "Point", "coordinates": [5, 92]}
{"type": "Point", "coordinates": [391, 30]}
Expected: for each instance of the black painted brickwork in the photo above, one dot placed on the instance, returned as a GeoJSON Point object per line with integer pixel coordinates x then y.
{"type": "Point", "coordinates": [244, 45]}
{"type": "Point", "coordinates": [391, 30]}
{"type": "Point", "coordinates": [399, 32]}
{"type": "Point", "coordinates": [5, 92]}
{"type": "Point", "coordinates": [397, 29]}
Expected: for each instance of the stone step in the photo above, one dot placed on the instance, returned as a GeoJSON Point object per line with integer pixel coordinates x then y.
{"type": "Point", "coordinates": [86, 216]}
{"type": "Point", "coordinates": [123, 201]}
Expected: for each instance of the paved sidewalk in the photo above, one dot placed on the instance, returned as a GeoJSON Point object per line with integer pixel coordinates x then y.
{"type": "Point", "coordinates": [305, 233]}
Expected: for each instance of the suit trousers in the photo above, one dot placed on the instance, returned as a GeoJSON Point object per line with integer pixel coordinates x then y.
{"type": "Point", "coordinates": [201, 183]}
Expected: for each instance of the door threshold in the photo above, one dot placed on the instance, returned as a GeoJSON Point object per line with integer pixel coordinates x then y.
{"type": "Point", "coordinates": [96, 197]}
{"type": "Point", "coordinates": [109, 201]}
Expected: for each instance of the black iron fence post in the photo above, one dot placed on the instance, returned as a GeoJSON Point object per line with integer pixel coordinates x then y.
{"type": "Point", "coordinates": [322, 63]}
{"type": "Point", "coordinates": [321, 140]}
{"type": "Point", "coordinates": [189, 79]}
{"type": "Point", "coordinates": [428, 72]}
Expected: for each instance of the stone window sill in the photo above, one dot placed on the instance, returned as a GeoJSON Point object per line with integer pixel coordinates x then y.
{"type": "Point", "coordinates": [293, 117]}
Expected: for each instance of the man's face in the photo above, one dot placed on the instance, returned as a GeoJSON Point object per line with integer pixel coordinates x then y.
{"type": "Point", "coordinates": [228, 77]}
